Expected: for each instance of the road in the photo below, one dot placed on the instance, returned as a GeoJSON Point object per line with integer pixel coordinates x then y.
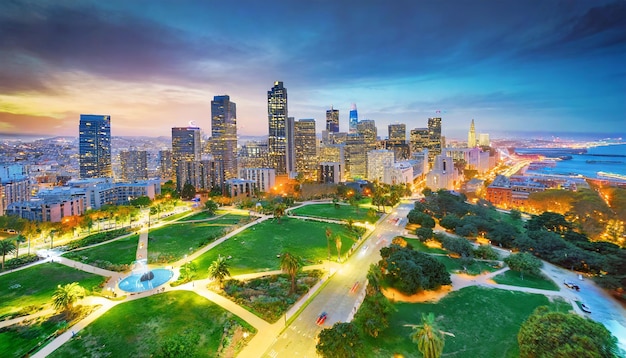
{"type": "Point", "coordinates": [299, 339]}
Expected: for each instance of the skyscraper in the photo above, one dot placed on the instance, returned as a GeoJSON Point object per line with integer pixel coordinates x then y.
{"type": "Point", "coordinates": [397, 141]}
{"type": "Point", "coordinates": [306, 148]}
{"type": "Point", "coordinates": [471, 136]}
{"type": "Point", "coordinates": [354, 119]}
{"type": "Point", "coordinates": [95, 146]}
{"type": "Point", "coordinates": [277, 118]}
{"type": "Point", "coordinates": [134, 165]}
{"type": "Point", "coordinates": [290, 154]}
{"type": "Point", "coordinates": [165, 164]}
{"type": "Point", "coordinates": [419, 139]}
{"type": "Point", "coordinates": [434, 137]}
{"type": "Point", "coordinates": [332, 120]}
{"type": "Point", "coordinates": [224, 134]}
{"type": "Point", "coordinates": [185, 148]}
{"type": "Point", "coordinates": [397, 133]}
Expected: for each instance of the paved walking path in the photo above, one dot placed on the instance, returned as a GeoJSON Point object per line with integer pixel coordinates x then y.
{"type": "Point", "coordinates": [142, 245]}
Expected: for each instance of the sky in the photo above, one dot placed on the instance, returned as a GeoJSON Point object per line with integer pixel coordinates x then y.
{"type": "Point", "coordinates": [512, 66]}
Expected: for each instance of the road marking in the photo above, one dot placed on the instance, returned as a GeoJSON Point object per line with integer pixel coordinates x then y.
{"type": "Point", "coordinates": [273, 354]}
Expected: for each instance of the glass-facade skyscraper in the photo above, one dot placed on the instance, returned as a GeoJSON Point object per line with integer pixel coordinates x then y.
{"type": "Point", "coordinates": [277, 120]}
{"type": "Point", "coordinates": [434, 134]}
{"type": "Point", "coordinates": [332, 120]}
{"type": "Point", "coordinates": [305, 144]}
{"type": "Point", "coordinates": [224, 134]}
{"type": "Point", "coordinates": [94, 146]}
{"type": "Point", "coordinates": [185, 148]}
{"type": "Point", "coordinates": [354, 119]}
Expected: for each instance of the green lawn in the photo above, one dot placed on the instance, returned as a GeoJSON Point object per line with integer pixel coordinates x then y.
{"type": "Point", "coordinates": [329, 211]}
{"type": "Point", "coordinates": [17, 340]}
{"type": "Point", "coordinates": [120, 252]}
{"type": "Point", "coordinates": [484, 321]}
{"type": "Point", "coordinates": [138, 328]}
{"type": "Point", "coordinates": [454, 265]}
{"type": "Point", "coordinates": [203, 215]}
{"type": "Point", "coordinates": [513, 278]}
{"type": "Point", "coordinates": [174, 216]}
{"type": "Point", "coordinates": [171, 243]}
{"type": "Point", "coordinates": [421, 247]}
{"type": "Point", "coordinates": [255, 249]}
{"type": "Point", "coordinates": [35, 285]}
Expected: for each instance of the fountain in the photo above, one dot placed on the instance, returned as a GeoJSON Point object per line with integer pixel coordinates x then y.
{"type": "Point", "coordinates": [143, 279]}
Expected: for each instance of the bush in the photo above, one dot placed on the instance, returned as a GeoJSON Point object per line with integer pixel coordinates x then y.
{"type": "Point", "coordinates": [20, 261]}
{"type": "Point", "coordinates": [97, 238]}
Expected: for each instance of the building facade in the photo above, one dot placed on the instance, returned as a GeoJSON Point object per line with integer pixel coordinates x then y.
{"type": "Point", "coordinates": [332, 120]}
{"type": "Point", "coordinates": [277, 119]}
{"type": "Point", "coordinates": [165, 165]}
{"type": "Point", "coordinates": [134, 165]}
{"type": "Point", "coordinates": [435, 142]}
{"type": "Point", "coordinates": [378, 162]}
{"type": "Point", "coordinates": [471, 136]}
{"type": "Point", "coordinates": [305, 148]}
{"type": "Point", "coordinates": [94, 145]}
{"type": "Point", "coordinates": [353, 121]}
{"type": "Point", "coordinates": [264, 178]}
{"type": "Point", "coordinates": [224, 134]}
{"type": "Point", "coordinates": [186, 147]}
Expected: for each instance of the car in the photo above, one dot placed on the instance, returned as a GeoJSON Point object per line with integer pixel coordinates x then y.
{"type": "Point", "coordinates": [568, 284]}
{"type": "Point", "coordinates": [321, 318]}
{"type": "Point", "coordinates": [354, 287]}
{"type": "Point", "coordinates": [585, 308]}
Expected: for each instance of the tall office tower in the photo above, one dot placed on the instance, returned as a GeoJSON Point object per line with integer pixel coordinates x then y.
{"type": "Point", "coordinates": [305, 144]}
{"type": "Point", "coordinates": [379, 161]}
{"type": "Point", "coordinates": [354, 119]}
{"type": "Point", "coordinates": [419, 139]}
{"type": "Point", "coordinates": [356, 156]}
{"type": "Point", "coordinates": [483, 140]}
{"type": "Point", "coordinates": [332, 120]}
{"type": "Point", "coordinates": [185, 148]}
{"type": "Point", "coordinates": [134, 165]}
{"type": "Point", "coordinates": [290, 156]}
{"type": "Point", "coordinates": [253, 155]}
{"type": "Point", "coordinates": [434, 138]}
{"type": "Point", "coordinates": [471, 136]}
{"type": "Point", "coordinates": [397, 133]}
{"type": "Point", "coordinates": [277, 118]}
{"type": "Point", "coordinates": [95, 146]}
{"type": "Point", "coordinates": [165, 164]}
{"type": "Point", "coordinates": [224, 134]}
{"type": "Point", "coordinates": [367, 129]}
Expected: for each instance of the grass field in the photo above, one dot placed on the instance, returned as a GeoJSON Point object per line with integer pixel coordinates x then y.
{"type": "Point", "coordinates": [455, 266]}
{"type": "Point", "coordinates": [484, 321]}
{"type": "Point", "coordinates": [17, 340]}
{"type": "Point", "coordinates": [139, 328]}
{"type": "Point", "coordinates": [203, 215]}
{"type": "Point", "coordinates": [255, 249]}
{"type": "Point", "coordinates": [171, 243]}
{"type": "Point", "coordinates": [119, 252]}
{"type": "Point", "coordinates": [35, 285]}
{"type": "Point", "coordinates": [513, 278]}
{"type": "Point", "coordinates": [329, 211]}
{"type": "Point", "coordinates": [421, 247]}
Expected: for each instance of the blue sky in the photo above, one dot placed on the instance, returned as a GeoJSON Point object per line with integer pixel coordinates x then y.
{"type": "Point", "coordinates": [550, 66]}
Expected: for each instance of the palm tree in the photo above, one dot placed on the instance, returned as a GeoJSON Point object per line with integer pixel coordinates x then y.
{"type": "Point", "coordinates": [6, 247]}
{"type": "Point", "coordinates": [338, 246]}
{"type": "Point", "coordinates": [429, 339]}
{"type": "Point", "coordinates": [279, 211]}
{"type": "Point", "coordinates": [65, 296]}
{"type": "Point", "coordinates": [18, 240]}
{"type": "Point", "coordinates": [329, 234]}
{"type": "Point", "coordinates": [219, 269]}
{"type": "Point", "coordinates": [290, 264]}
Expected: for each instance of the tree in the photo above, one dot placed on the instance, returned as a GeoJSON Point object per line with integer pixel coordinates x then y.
{"type": "Point", "coordinates": [290, 264]}
{"type": "Point", "coordinates": [524, 263]}
{"type": "Point", "coordinates": [556, 334]}
{"type": "Point", "coordinates": [6, 247]}
{"type": "Point", "coordinates": [279, 211]}
{"type": "Point", "coordinates": [141, 201]}
{"type": "Point", "coordinates": [18, 240]}
{"type": "Point", "coordinates": [65, 296]}
{"type": "Point", "coordinates": [373, 315]}
{"type": "Point", "coordinates": [219, 269]}
{"type": "Point", "coordinates": [211, 207]}
{"type": "Point", "coordinates": [424, 233]}
{"type": "Point", "coordinates": [181, 345]}
{"type": "Point", "coordinates": [329, 234]}
{"type": "Point", "coordinates": [486, 252]}
{"type": "Point", "coordinates": [338, 246]}
{"type": "Point", "coordinates": [429, 339]}
{"type": "Point", "coordinates": [188, 271]}
{"type": "Point", "coordinates": [188, 192]}
{"type": "Point", "coordinates": [342, 340]}
{"type": "Point", "coordinates": [410, 271]}
{"type": "Point", "coordinates": [515, 214]}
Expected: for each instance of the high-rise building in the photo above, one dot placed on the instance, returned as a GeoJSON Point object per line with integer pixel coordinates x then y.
{"type": "Point", "coordinates": [356, 156]}
{"type": "Point", "coordinates": [186, 147]}
{"type": "Point", "coordinates": [397, 133]}
{"type": "Point", "coordinates": [253, 155]}
{"type": "Point", "coordinates": [224, 134]}
{"type": "Point", "coordinates": [134, 165]}
{"type": "Point", "coordinates": [434, 137]}
{"type": "Point", "coordinates": [419, 139]}
{"type": "Point", "coordinates": [483, 140]}
{"type": "Point", "coordinates": [305, 144]}
{"type": "Point", "coordinates": [95, 146]}
{"type": "Point", "coordinates": [332, 120]}
{"type": "Point", "coordinates": [165, 164]}
{"type": "Point", "coordinates": [354, 119]}
{"type": "Point", "coordinates": [379, 161]}
{"type": "Point", "coordinates": [277, 118]}
{"type": "Point", "coordinates": [290, 156]}
{"type": "Point", "coordinates": [471, 136]}
{"type": "Point", "coordinates": [367, 129]}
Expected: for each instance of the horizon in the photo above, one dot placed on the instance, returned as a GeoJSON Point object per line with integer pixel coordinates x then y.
{"type": "Point", "coordinates": [155, 65]}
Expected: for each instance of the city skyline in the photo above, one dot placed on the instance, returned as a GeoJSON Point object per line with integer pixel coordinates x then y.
{"type": "Point", "coordinates": [511, 66]}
